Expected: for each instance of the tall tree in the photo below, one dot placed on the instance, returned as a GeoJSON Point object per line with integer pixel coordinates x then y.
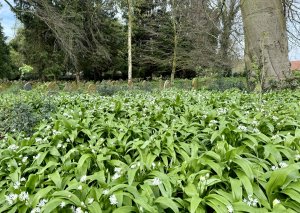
{"type": "Point", "coordinates": [6, 67]}
{"type": "Point", "coordinates": [129, 36]}
{"type": "Point", "coordinates": [266, 43]}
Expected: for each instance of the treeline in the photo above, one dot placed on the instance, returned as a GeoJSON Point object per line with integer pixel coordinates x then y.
{"type": "Point", "coordinates": [62, 38]}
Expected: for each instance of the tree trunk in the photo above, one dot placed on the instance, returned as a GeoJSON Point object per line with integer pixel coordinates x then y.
{"type": "Point", "coordinates": [129, 43]}
{"type": "Point", "coordinates": [266, 44]}
{"type": "Point", "coordinates": [175, 43]}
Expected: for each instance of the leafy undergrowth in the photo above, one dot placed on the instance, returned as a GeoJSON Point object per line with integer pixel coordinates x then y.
{"type": "Point", "coordinates": [170, 151]}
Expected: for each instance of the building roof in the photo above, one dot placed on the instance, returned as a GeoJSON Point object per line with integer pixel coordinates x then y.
{"type": "Point", "coordinates": [295, 65]}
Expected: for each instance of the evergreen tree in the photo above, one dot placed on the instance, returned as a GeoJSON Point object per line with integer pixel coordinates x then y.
{"type": "Point", "coordinates": [5, 61]}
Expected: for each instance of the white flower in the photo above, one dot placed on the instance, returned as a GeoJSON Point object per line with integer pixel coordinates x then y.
{"type": "Point", "coordinates": [90, 200]}
{"type": "Point", "coordinates": [251, 201]}
{"type": "Point", "coordinates": [113, 200]}
{"type": "Point", "coordinates": [42, 203]}
{"type": "Point", "coordinates": [79, 187]}
{"type": "Point", "coordinates": [274, 168]}
{"type": "Point", "coordinates": [78, 210]}
{"type": "Point", "coordinates": [56, 132]}
{"type": "Point", "coordinates": [24, 196]}
{"type": "Point", "coordinates": [35, 210]}
{"type": "Point", "coordinates": [229, 208]}
{"type": "Point", "coordinates": [275, 118]}
{"type": "Point", "coordinates": [105, 192]}
{"type": "Point", "coordinates": [17, 185]}
{"type": "Point", "coordinates": [38, 140]}
{"type": "Point", "coordinates": [117, 170]}
{"type": "Point", "coordinates": [283, 165]}
{"type": "Point", "coordinates": [13, 147]}
{"type": "Point", "coordinates": [24, 159]}
{"type": "Point", "coordinates": [202, 179]}
{"type": "Point", "coordinates": [153, 165]}
{"type": "Point", "coordinates": [133, 166]}
{"type": "Point", "coordinates": [83, 178]}
{"type": "Point", "coordinates": [37, 156]}
{"type": "Point", "coordinates": [255, 123]}
{"type": "Point", "coordinates": [59, 145]}
{"type": "Point", "coordinates": [23, 179]}
{"type": "Point", "coordinates": [11, 198]}
{"type": "Point", "coordinates": [275, 202]}
{"type": "Point", "coordinates": [116, 176]}
{"type": "Point", "coordinates": [62, 204]}
{"type": "Point", "coordinates": [242, 128]}
{"type": "Point", "coordinates": [141, 209]}
{"type": "Point", "coordinates": [156, 181]}
{"type": "Point", "coordinates": [255, 130]}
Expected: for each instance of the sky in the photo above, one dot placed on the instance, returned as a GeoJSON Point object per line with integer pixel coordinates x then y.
{"type": "Point", "coordinates": [10, 24]}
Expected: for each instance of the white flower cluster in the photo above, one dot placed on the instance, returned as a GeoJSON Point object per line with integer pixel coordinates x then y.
{"type": "Point", "coordinates": [13, 147]}
{"type": "Point", "coordinates": [281, 165]}
{"type": "Point", "coordinates": [39, 206]}
{"type": "Point", "coordinates": [77, 210]}
{"type": "Point", "coordinates": [275, 202]}
{"type": "Point", "coordinates": [117, 173]}
{"type": "Point", "coordinates": [156, 181]}
{"type": "Point", "coordinates": [222, 111]}
{"type": "Point", "coordinates": [255, 123]}
{"type": "Point", "coordinates": [251, 201]}
{"type": "Point", "coordinates": [105, 192]}
{"type": "Point", "coordinates": [242, 128]}
{"type": "Point", "coordinates": [55, 132]}
{"type": "Point", "coordinates": [113, 200]}
{"type": "Point", "coordinates": [212, 123]}
{"type": "Point", "coordinates": [61, 145]}
{"type": "Point", "coordinates": [12, 198]}
{"type": "Point", "coordinates": [204, 178]}
{"type": "Point", "coordinates": [135, 165]}
{"type": "Point", "coordinates": [83, 178]}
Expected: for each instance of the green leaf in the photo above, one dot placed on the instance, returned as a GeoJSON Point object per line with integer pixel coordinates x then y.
{"type": "Point", "coordinates": [94, 208]}
{"type": "Point", "coordinates": [245, 181]}
{"type": "Point", "coordinates": [166, 202]}
{"type": "Point", "coordinates": [191, 190]}
{"type": "Point", "coordinates": [195, 201]}
{"type": "Point", "coordinates": [55, 177]}
{"type": "Point", "coordinates": [32, 182]}
{"type": "Point", "coordinates": [144, 203]}
{"type": "Point", "coordinates": [236, 188]}
{"type": "Point", "coordinates": [52, 205]}
{"type": "Point", "coordinates": [42, 193]}
{"type": "Point", "coordinates": [245, 165]}
{"type": "Point", "coordinates": [68, 196]}
{"type": "Point", "coordinates": [293, 195]}
{"type": "Point", "coordinates": [131, 175]}
{"type": "Point", "coordinates": [125, 209]}
{"type": "Point", "coordinates": [278, 178]}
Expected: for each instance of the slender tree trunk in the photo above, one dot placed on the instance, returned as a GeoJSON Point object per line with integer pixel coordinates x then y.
{"type": "Point", "coordinates": [174, 62]}
{"type": "Point", "coordinates": [129, 43]}
{"type": "Point", "coordinates": [266, 44]}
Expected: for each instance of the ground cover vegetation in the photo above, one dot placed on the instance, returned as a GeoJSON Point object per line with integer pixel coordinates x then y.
{"type": "Point", "coordinates": [160, 151]}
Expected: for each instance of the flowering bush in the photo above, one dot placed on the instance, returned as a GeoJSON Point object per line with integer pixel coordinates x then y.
{"type": "Point", "coordinates": [169, 151]}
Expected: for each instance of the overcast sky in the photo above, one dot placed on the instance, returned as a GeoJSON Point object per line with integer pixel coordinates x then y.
{"type": "Point", "coordinates": [10, 24]}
